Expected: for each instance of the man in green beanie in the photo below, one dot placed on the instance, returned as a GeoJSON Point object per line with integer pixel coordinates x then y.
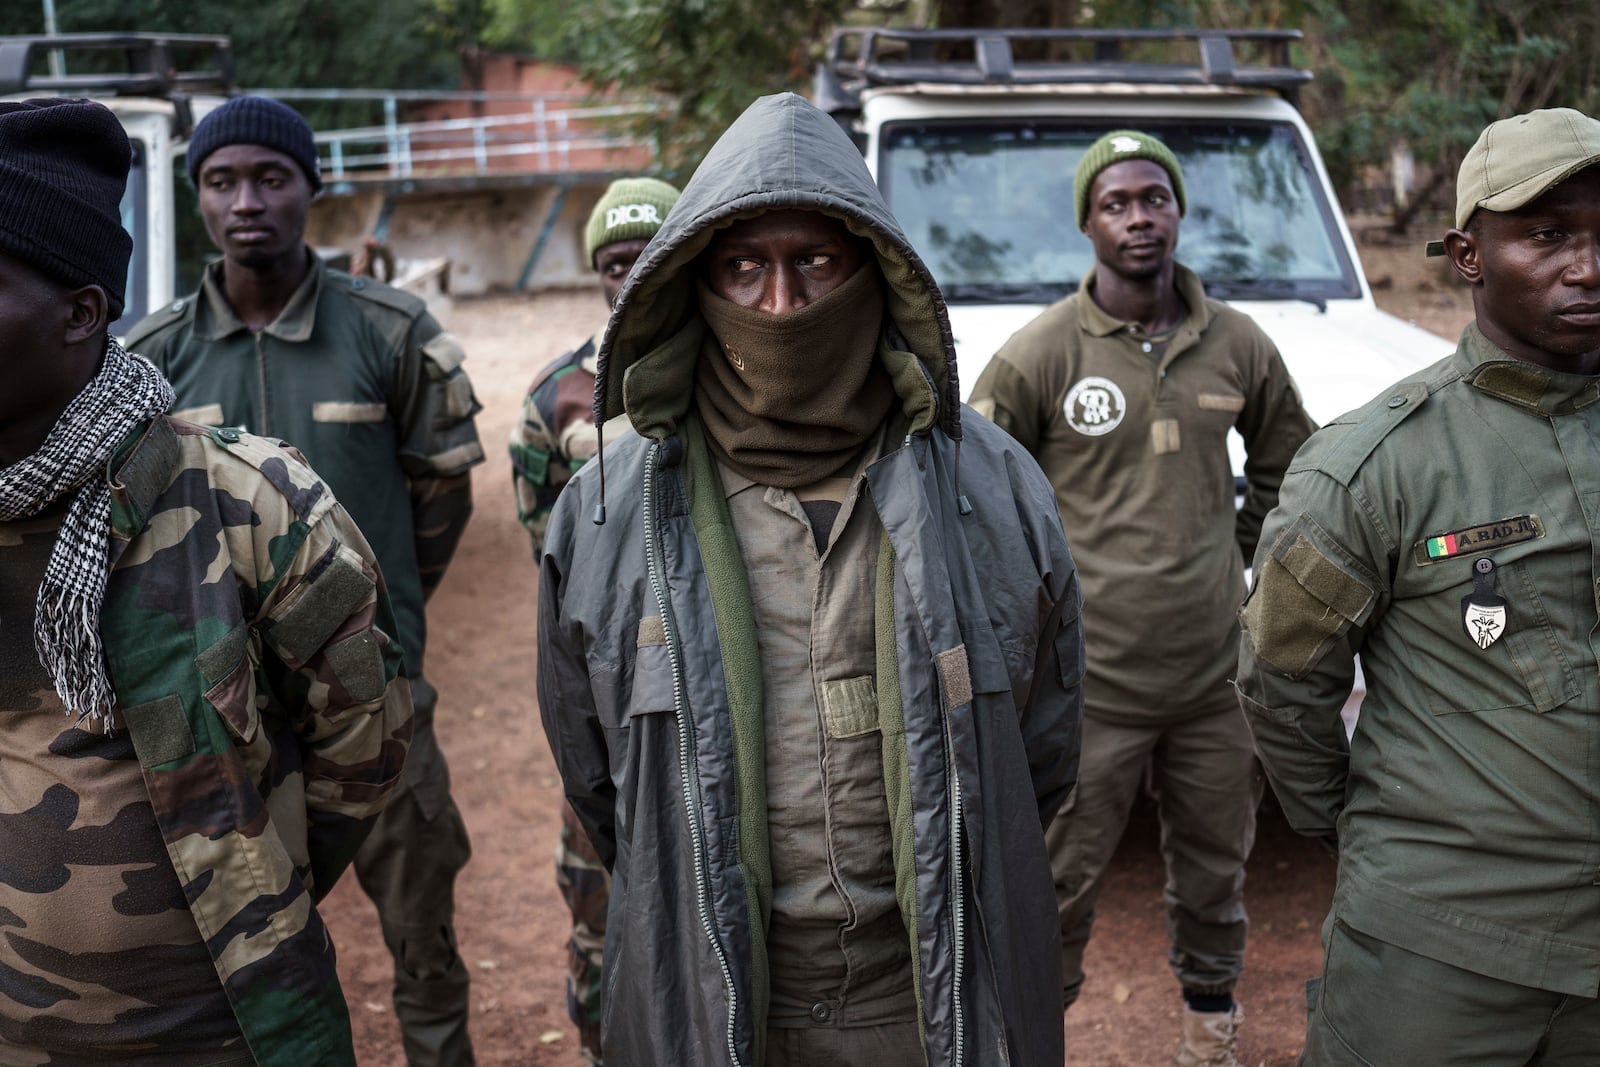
{"type": "Point", "coordinates": [555, 437]}
{"type": "Point", "coordinates": [1125, 393]}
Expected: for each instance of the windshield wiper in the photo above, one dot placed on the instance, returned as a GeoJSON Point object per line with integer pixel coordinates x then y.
{"type": "Point", "coordinates": [1007, 292]}
{"type": "Point", "coordinates": [1262, 289]}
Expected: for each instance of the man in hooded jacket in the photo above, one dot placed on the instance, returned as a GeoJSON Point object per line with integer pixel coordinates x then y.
{"type": "Point", "coordinates": [809, 654]}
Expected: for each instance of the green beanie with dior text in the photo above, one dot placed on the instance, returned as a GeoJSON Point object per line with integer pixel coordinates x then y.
{"type": "Point", "coordinates": [630, 209]}
{"type": "Point", "coordinates": [1119, 146]}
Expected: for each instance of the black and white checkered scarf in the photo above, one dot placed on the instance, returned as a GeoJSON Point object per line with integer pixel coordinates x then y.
{"type": "Point", "coordinates": [127, 391]}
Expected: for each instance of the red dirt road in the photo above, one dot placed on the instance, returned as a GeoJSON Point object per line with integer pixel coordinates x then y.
{"type": "Point", "coordinates": [511, 924]}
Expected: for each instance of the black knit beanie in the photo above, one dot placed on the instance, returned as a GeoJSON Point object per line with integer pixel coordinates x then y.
{"type": "Point", "coordinates": [63, 167]}
{"type": "Point", "coordinates": [256, 120]}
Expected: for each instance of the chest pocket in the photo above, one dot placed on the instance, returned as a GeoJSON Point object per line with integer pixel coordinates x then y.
{"type": "Point", "coordinates": [1528, 667]}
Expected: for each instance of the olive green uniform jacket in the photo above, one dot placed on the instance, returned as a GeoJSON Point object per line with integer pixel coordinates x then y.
{"type": "Point", "coordinates": [361, 379]}
{"type": "Point", "coordinates": [1466, 808]}
{"type": "Point", "coordinates": [1134, 441]}
{"type": "Point", "coordinates": [252, 649]}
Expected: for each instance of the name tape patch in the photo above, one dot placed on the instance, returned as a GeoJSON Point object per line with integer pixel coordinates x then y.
{"type": "Point", "coordinates": [1479, 538]}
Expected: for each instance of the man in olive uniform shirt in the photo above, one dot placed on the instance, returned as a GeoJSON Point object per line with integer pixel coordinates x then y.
{"type": "Point", "coordinates": [1447, 532]}
{"type": "Point", "coordinates": [363, 381]}
{"type": "Point", "coordinates": [1125, 393]}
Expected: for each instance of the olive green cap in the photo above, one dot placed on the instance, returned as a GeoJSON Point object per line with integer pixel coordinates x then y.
{"type": "Point", "coordinates": [1517, 160]}
{"type": "Point", "coordinates": [1119, 146]}
{"type": "Point", "coordinates": [629, 209]}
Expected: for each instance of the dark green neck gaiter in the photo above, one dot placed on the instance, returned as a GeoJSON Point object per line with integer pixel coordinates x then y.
{"type": "Point", "coordinates": [787, 400]}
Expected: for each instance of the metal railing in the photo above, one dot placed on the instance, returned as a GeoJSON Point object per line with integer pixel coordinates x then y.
{"type": "Point", "coordinates": [526, 132]}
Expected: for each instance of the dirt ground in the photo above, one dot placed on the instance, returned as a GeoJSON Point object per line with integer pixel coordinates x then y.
{"type": "Point", "coordinates": [511, 924]}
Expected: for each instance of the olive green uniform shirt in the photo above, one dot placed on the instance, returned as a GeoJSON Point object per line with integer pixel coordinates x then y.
{"type": "Point", "coordinates": [837, 946]}
{"type": "Point", "coordinates": [363, 381]}
{"type": "Point", "coordinates": [1134, 440]}
{"type": "Point", "coordinates": [1466, 807]}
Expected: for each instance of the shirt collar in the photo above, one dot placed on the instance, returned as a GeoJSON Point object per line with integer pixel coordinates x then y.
{"type": "Point", "coordinates": [734, 482]}
{"type": "Point", "coordinates": [1491, 371]}
{"type": "Point", "coordinates": [1098, 323]}
{"type": "Point", "coordinates": [216, 319]}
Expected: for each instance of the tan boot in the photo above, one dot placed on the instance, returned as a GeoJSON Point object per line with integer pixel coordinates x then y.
{"type": "Point", "coordinates": [1210, 1038]}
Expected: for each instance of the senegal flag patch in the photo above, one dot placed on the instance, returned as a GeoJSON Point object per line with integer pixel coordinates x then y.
{"type": "Point", "coordinates": [1480, 538]}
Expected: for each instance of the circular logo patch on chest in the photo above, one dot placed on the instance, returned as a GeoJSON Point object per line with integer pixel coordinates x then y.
{"type": "Point", "coordinates": [1095, 406]}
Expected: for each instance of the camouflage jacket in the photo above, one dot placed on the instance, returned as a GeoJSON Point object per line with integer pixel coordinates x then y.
{"type": "Point", "coordinates": [554, 438]}
{"type": "Point", "coordinates": [364, 382]}
{"type": "Point", "coordinates": [250, 640]}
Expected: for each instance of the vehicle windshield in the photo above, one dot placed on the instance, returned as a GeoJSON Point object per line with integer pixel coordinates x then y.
{"type": "Point", "coordinates": [989, 206]}
{"type": "Point", "coordinates": [133, 220]}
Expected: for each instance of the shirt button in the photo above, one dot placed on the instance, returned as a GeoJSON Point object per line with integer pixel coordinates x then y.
{"type": "Point", "coordinates": [820, 1012]}
{"type": "Point", "coordinates": [1397, 401]}
{"type": "Point", "coordinates": [1145, 346]}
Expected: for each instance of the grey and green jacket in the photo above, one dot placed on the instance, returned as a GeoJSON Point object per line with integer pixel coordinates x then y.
{"type": "Point", "coordinates": [647, 659]}
{"type": "Point", "coordinates": [254, 656]}
{"type": "Point", "coordinates": [1446, 532]}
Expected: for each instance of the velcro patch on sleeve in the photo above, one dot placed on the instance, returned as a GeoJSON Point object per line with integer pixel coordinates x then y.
{"type": "Point", "coordinates": [1307, 595]}
{"type": "Point", "coordinates": [160, 730]}
{"type": "Point", "coordinates": [316, 608]}
{"type": "Point", "coordinates": [357, 661]}
{"type": "Point", "coordinates": [955, 677]}
{"type": "Point", "coordinates": [444, 354]}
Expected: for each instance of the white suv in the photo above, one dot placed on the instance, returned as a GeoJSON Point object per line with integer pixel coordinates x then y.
{"type": "Point", "coordinates": [976, 156]}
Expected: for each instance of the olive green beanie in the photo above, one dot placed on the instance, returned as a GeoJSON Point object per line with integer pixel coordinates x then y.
{"type": "Point", "coordinates": [1119, 146]}
{"type": "Point", "coordinates": [629, 209]}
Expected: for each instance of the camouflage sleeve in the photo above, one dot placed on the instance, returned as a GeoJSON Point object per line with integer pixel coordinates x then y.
{"type": "Point", "coordinates": [335, 667]}
{"type": "Point", "coordinates": [438, 438]}
{"type": "Point", "coordinates": [440, 508]}
{"type": "Point", "coordinates": [553, 439]}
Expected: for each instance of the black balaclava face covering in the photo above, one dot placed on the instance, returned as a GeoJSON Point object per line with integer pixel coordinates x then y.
{"type": "Point", "coordinates": [787, 400]}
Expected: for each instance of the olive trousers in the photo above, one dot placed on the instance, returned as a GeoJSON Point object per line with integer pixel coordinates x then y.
{"type": "Point", "coordinates": [408, 867]}
{"type": "Point", "coordinates": [1207, 786]}
{"type": "Point", "coordinates": [1378, 1005]}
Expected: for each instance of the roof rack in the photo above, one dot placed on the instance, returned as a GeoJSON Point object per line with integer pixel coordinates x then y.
{"type": "Point", "coordinates": [862, 58]}
{"type": "Point", "coordinates": [148, 62]}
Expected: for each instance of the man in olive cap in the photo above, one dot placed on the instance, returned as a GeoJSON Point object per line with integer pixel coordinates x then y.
{"type": "Point", "coordinates": [361, 378]}
{"type": "Point", "coordinates": [1446, 532]}
{"type": "Point", "coordinates": [1125, 393]}
{"type": "Point", "coordinates": [556, 437]}
{"type": "Point", "coordinates": [201, 681]}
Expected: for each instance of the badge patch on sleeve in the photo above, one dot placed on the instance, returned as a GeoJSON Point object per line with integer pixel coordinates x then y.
{"type": "Point", "coordinates": [1480, 538]}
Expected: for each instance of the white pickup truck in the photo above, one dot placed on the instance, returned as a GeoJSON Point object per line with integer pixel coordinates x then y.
{"type": "Point", "coordinates": [975, 149]}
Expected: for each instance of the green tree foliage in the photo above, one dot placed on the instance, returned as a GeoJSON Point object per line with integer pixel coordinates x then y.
{"type": "Point", "coordinates": [1430, 74]}
{"type": "Point", "coordinates": [710, 57]}
{"type": "Point", "coordinates": [288, 43]}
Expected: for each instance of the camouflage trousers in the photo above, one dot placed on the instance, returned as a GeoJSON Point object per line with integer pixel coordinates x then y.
{"type": "Point", "coordinates": [408, 868]}
{"type": "Point", "coordinates": [586, 887]}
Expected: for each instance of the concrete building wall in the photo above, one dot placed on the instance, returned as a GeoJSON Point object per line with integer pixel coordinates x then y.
{"type": "Point", "coordinates": [487, 234]}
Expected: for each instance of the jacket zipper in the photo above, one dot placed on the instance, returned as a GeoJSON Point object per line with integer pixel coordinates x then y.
{"type": "Point", "coordinates": [958, 918]}
{"type": "Point", "coordinates": [655, 564]}
{"type": "Point", "coordinates": [265, 429]}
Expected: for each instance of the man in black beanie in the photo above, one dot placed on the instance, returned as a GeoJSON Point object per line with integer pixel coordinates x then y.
{"type": "Point", "coordinates": [362, 379]}
{"type": "Point", "coordinates": [200, 678]}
